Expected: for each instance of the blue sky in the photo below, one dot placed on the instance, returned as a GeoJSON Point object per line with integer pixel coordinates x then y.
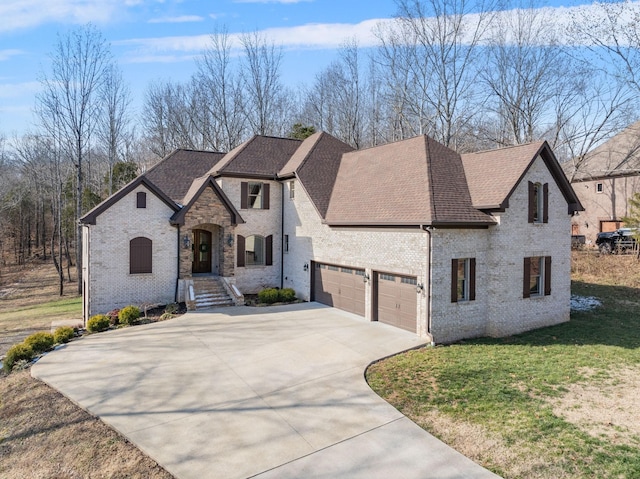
{"type": "Point", "coordinates": [158, 39]}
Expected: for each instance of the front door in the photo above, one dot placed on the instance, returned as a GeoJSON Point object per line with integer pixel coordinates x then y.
{"type": "Point", "coordinates": [201, 251]}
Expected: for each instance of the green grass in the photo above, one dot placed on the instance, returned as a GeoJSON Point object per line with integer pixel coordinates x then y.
{"type": "Point", "coordinates": [504, 386]}
{"type": "Point", "coordinates": [40, 314]}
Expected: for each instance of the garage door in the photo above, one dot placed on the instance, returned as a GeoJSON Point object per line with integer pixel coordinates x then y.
{"type": "Point", "coordinates": [340, 287]}
{"type": "Point", "coordinates": [396, 300]}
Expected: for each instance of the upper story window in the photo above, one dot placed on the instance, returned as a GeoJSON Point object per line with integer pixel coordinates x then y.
{"type": "Point", "coordinates": [463, 279]}
{"type": "Point", "coordinates": [599, 187]}
{"type": "Point", "coordinates": [140, 255]}
{"type": "Point", "coordinates": [537, 276]}
{"type": "Point", "coordinates": [254, 195]}
{"type": "Point", "coordinates": [285, 245]}
{"type": "Point", "coordinates": [141, 199]}
{"type": "Point", "coordinates": [292, 189]}
{"type": "Point", "coordinates": [538, 202]}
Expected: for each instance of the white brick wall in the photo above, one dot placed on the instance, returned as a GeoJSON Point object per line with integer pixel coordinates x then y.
{"type": "Point", "coordinates": [251, 279]}
{"type": "Point", "coordinates": [384, 250]}
{"type": "Point", "coordinates": [111, 286]}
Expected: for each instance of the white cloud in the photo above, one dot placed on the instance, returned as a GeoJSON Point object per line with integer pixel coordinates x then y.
{"type": "Point", "coordinates": [319, 35]}
{"type": "Point", "coordinates": [180, 19]}
{"type": "Point", "coordinates": [271, 1]}
{"type": "Point", "coordinates": [14, 90]}
{"type": "Point", "coordinates": [20, 14]}
{"type": "Point", "coordinates": [7, 54]}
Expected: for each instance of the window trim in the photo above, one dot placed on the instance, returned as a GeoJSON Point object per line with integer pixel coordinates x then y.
{"type": "Point", "coordinates": [538, 203]}
{"type": "Point", "coordinates": [468, 279]}
{"type": "Point", "coordinates": [262, 252]}
{"type": "Point", "coordinates": [544, 282]}
{"type": "Point", "coordinates": [599, 187]}
{"type": "Point", "coordinates": [292, 189]}
{"type": "Point", "coordinates": [285, 244]}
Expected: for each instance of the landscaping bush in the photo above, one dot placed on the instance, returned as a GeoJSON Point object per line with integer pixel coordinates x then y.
{"type": "Point", "coordinates": [63, 334]}
{"type": "Point", "coordinates": [113, 317]}
{"type": "Point", "coordinates": [269, 296]}
{"type": "Point", "coordinates": [287, 295]}
{"type": "Point", "coordinates": [171, 308]}
{"type": "Point", "coordinates": [39, 342]}
{"type": "Point", "coordinates": [128, 315]}
{"type": "Point", "coordinates": [17, 352]}
{"type": "Point", "coordinates": [97, 323]}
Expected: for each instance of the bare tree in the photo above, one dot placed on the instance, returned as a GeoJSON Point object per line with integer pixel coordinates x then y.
{"type": "Point", "coordinates": [261, 75]}
{"type": "Point", "coordinates": [223, 90]}
{"type": "Point", "coordinates": [444, 37]}
{"type": "Point", "coordinates": [113, 122]}
{"type": "Point", "coordinates": [68, 105]}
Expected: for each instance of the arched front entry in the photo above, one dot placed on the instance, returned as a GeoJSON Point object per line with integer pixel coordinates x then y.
{"type": "Point", "coordinates": [202, 252]}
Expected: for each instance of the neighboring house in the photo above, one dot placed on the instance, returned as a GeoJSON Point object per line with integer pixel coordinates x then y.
{"type": "Point", "coordinates": [604, 181]}
{"type": "Point", "coordinates": [409, 233]}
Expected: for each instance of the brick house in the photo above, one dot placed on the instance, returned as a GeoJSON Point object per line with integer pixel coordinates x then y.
{"type": "Point", "coordinates": [604, 181]}
{"type": "Point", "coordinates": [410, 233]}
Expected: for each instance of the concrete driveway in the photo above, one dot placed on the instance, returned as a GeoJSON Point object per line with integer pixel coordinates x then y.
{"type": "Point", "coordinates": [254, 392]}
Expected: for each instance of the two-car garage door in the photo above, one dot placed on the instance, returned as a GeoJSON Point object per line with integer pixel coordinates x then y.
{"type": "Point", "coordinates": [395, 301]}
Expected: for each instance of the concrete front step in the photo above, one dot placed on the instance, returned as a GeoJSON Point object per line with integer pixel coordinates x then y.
{"type": "Point", "coordinates": [209, 293]}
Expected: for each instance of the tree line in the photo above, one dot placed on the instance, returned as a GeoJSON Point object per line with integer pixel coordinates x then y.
{"type": "Point", "coordinates": [473, 74]}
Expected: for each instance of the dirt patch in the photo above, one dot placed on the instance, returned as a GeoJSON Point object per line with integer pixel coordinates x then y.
{"type": "Point", "coordinates": [44, 435]}
{"type": "Point", "coordinates": [605, 408]}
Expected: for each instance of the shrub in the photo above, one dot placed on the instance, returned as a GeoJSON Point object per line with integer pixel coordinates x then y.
{"type": "Point", "coordinates": [17, 352]}
{"type": "Point", "coordinates": [97, 323]}
{"type": "Point", "coordinates": [39, 342]}
{"type": "Point", "coordinates": [287, 295]}
{"type": "Point", "coordinates": [166, 316]}
{"type": "Point", "coordinates": [128, 315]}
{"type": "Point", "coordinates": [63, 334]}
{"type": "Point", "coordinates": [113, 317]}
{"type": "Point", "coordinates": [269, 296]}
{"type": "Point", "coordinates": [171, 308]}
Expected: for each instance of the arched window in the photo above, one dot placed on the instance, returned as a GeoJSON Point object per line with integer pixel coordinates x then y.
{"type": "Point", "coordinates": [140, 255]}
{"type": "Point", "coordinates": [255, 250]}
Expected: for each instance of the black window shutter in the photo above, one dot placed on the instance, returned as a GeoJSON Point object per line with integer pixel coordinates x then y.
{"type": "Point", "coordinates": [240, 245]}
{"type": "Point", "coordinates": [454, 280]}
{"type": "Point", "coordinates": [265, 196]}
{"type": "Point", "coordinates": [268, 250]}
{"type": "Point", "coordinates": [472, 279]}
{"type": "Point", "coordinates": [140, 255]}
{"type": "Point", "coordinates": [532, 202]}
{"type": "Point", "coordinates": [141, 199]}
{"type": "Point", "coordinates": [244, 196]}
{"type": "Point", "coordinates": [547, 275]}
{"type": "Point", "coordinates": [526, 279]}
{"type": "Point", "coordinates": [545, 205]}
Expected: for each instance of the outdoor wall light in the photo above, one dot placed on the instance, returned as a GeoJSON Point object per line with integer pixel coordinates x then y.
{"type": "Point", "coordinates": [366, 277]}
{"type": "Point", "coordinates": [186, 241]}
{"type": "Point", "coordinates": [306, 267]}
{"type": "Point", "coordinates": [229, 239]}
{"type": "Point", "coordinates": [419, 288]}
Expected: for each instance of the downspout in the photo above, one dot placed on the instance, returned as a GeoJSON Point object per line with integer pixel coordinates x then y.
{"type": "Point", "coordinates": [175, 295]}
{"type": "Point", "coordinates": [281, 235]}
{"type": "Point", "coordinates": [428, 230]}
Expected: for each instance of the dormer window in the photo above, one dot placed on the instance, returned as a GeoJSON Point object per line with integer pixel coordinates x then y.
{"type": "Point", "coordinates": [538, 202]}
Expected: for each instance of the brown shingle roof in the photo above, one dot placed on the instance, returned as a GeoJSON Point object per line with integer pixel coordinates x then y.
{"type": "Point", "coordinates": [316, 163]}
{"type": "Point", "coordinates": [259, 157]}
{"type": "Point", "coordinates": [175, 173]}
{"type": "Point", "coordinates": [492, 175]}
{"type": "Point", "coordinates": [411, 182]}
{"type": "Point", "coordinates": [618, 156]}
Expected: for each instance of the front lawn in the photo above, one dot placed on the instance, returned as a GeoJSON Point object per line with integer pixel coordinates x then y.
{"type": "Point", "coordinates": [557, 402]}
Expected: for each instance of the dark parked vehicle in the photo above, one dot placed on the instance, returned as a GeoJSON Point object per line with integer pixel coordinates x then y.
{"type": "Point", "coordinates": [617, 241]}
